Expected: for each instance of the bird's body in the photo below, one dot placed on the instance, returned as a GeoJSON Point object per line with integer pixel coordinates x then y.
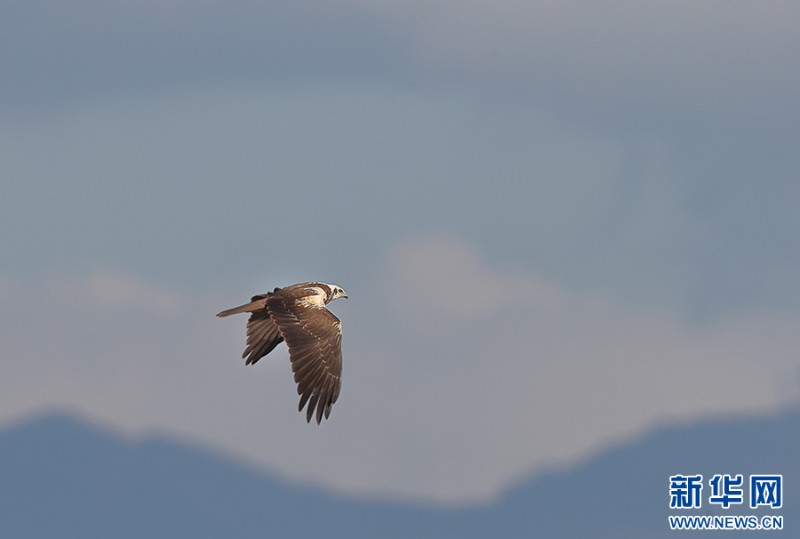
{"type": "Point", "coordinates": [298, 315]}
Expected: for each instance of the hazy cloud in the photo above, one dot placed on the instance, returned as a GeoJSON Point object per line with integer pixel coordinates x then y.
{"type": "Point", "coordinates": [453, 390]}
{"type": "Point", "coordinates": [438, 277]}
{"type": "Point", "coordinates": [617, 58]}
{"type": "Point", "coordinates": [68, 55]}
{"type": "Point", "coordinates": [652, 143]}
{"type": "Point", "coordinates": [647, 67]}
{"type": "Point", "coordinates": [118, 292]}
{"type": "Point", "coordinates": [559, 223]}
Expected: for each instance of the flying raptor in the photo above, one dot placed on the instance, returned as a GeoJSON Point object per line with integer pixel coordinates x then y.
{"type": "Point", "coordinates": [298, 315]}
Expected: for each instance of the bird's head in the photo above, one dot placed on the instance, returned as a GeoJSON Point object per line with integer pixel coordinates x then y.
{"type": "Point", "coordinates": [336, 292]}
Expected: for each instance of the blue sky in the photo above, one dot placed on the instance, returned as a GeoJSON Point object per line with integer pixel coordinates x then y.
{"type": "Point", "coordinates": [559, 224]}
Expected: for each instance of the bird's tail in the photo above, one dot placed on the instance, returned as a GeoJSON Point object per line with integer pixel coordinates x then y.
{"type": "Point", "coordinates": [257, 304]}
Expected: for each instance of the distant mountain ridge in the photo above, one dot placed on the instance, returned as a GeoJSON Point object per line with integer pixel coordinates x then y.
{"type": "Point", "coordinates": [62, 477]}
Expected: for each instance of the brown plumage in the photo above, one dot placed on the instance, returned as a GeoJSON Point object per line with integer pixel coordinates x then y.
{"type": "Point", "coordinates": [298, 315]}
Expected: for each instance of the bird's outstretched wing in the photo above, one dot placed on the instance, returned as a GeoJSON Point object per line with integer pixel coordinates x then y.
{"type": "Point", "coordinates": [262, 336]}
{"type": "Point", "coordinates": [314, 337]}
{"type": "Point", "coordinates": [262, 333]}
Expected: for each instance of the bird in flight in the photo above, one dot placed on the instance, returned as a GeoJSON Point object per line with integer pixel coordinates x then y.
{"type": "Point", "coordinates": [298, 315]}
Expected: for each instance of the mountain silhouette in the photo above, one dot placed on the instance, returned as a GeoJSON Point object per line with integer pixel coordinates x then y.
{"type": "Point", "coordinates": [66, 478]}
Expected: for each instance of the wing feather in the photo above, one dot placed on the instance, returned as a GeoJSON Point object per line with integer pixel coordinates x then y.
{"type": "Point", "coordinates": [311, 405]}
{"type": "Point", "coordinates": [262, 333]}
{"type": "Point", "coordinates": [303, 400]}
{"type": "Point", "coordinates": [314, 337]}
{"type": "Point", "coordinates": [263, 336]}
{"type": "Point", "coordinates": [313, 381]}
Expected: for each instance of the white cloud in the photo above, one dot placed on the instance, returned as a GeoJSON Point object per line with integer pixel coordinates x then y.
{"type": "Point", "coordinates": [440, 277]}
{"type": "Point", "coordinates": [111, 290]}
